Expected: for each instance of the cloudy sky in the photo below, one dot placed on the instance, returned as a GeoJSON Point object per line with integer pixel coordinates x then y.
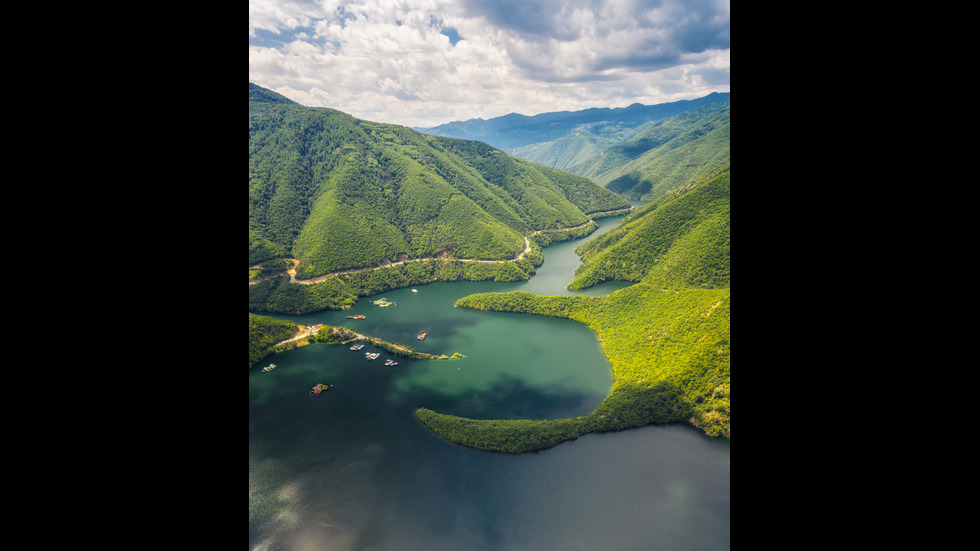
{"type": "Point", "coordinates": [427, 62]}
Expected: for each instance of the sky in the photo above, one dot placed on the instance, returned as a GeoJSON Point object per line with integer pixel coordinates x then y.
{"type": "Point", "coordinates": [422, 63]}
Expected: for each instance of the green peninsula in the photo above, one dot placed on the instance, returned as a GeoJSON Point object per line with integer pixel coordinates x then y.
{"type": "Point", "coordinates": [268, 335]}
{"type": "Point", "coordinates": [666, 337]}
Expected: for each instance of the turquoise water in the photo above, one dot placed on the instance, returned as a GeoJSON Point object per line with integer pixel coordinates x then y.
{"type": "Point", "coordinates": [353, 469]}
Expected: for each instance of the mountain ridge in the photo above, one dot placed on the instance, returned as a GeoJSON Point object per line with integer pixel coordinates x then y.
{"type": "Point", "coordinates": [264, 95]}
{"type": "Point", "coordinates": [515, 130]}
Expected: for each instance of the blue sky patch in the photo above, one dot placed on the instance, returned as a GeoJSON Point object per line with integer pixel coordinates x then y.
{"type": "Point", "coordinates": [453, 35]}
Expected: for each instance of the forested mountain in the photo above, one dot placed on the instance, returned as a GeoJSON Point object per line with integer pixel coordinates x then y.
{"type": "Point", "coordinates": [667, 336]}
{"type": "Point", "coordinates": [515, 131]}
{"type": "Point", "coordinates": [664, 155]}
{"type": "Point", "coordinates": [635, 157]}
{"type": "Point", "coordinates": [679, 240]}
{"type": "Point", "coordinates": [336, 192]}
{"type": "Point", "coordinates": [579, 146]}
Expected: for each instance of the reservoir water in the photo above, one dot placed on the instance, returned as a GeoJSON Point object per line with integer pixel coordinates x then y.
{"type": "Point", "coordinates": [352, 469]}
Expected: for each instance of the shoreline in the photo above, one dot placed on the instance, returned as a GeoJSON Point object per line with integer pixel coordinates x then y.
{"type": "Point", "coordinates": [302, 339]}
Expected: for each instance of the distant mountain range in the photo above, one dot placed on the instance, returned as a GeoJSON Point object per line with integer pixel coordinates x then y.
{"type": "Point", "coordinates": [640, 151]}
{"type": "Point", "coordinates": [513, 131]}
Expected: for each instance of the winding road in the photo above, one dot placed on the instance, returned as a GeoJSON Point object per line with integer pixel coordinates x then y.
{"type": "Point", "coordinates": [318, 279]}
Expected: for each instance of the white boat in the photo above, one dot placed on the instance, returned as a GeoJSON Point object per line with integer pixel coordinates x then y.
{"type": "Point", "coordinates": [390, 362]}
{"type": "Point", "coordinates": [415, 290]}
{"type": "Point", "coordinates": [270, 368]}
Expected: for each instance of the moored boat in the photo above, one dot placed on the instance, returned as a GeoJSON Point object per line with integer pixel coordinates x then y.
{"type": "Point", "coordinates": [390, 362]}
{"type": "Point", "coordinates": [422, 335]}
{"type": "Point", "coordinates": [269, 368]}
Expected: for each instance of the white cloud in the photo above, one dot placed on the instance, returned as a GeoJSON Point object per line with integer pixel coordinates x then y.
{"type": "Point", "coordinates": [388, 60]}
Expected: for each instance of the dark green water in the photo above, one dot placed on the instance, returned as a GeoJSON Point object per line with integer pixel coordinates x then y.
{"type": "Point", "coordinates": [353, 470]}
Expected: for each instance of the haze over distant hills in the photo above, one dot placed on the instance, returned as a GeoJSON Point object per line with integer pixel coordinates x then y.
{"type": "Point", "coordinates": [513, 131]}
{"type": "Point", "coordinates": [662, 156]}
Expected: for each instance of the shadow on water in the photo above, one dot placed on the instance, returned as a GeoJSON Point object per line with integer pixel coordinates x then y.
{"type": "Point", "coordinates": [312, 459]}
{"type": "Point", "coordinates": [328, 459]}
{"type": "Point", "coordinates": [512, 398]}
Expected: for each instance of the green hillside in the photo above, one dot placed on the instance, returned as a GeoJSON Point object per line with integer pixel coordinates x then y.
{"type": "Point", "coordinates": [263, 335]}
{"type": "Point", "coordinates": [335, 192]}
{"type": "Point", "coordinates": [579, 146]}
{"type": "Point", "coordinates": [679, 240]}
{"type": "Point", "coordinates": [664, 155]}
{"type": "Point", "coordinates": [666, 337]}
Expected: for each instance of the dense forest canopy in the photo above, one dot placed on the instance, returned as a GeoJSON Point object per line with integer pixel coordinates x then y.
{"type": "Point", "coordinates": [337, 193]}
{"type": "Point", "coordinates": [264, 333]}
{"type": "Point", "coordinates": [680, 240]}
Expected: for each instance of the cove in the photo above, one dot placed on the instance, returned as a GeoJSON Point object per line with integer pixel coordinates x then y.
{"type": "Point", "coordinates": [353, 469]}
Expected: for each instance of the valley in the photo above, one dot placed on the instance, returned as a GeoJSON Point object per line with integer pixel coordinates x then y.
{"type": "Point", "coordinates": [490, 276]}
{"type": "Point", "coordinates": [640, 151]}
{"type": "Point", "coordinates": [352, 208]}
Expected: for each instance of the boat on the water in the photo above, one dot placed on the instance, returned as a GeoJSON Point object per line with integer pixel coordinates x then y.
{"type": "Point", "coordinates": [357, 317]}
{"type": "Point", "coordinates": [372, 355]}
{"type": "Point", "coordinates": [318, 389]}
{"type": "Point", "coordinates": [422, 335]}
{"type": "Point", "coordinates": [390, 362]}
{"type": "Point", "coordinates": [269, 368]}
